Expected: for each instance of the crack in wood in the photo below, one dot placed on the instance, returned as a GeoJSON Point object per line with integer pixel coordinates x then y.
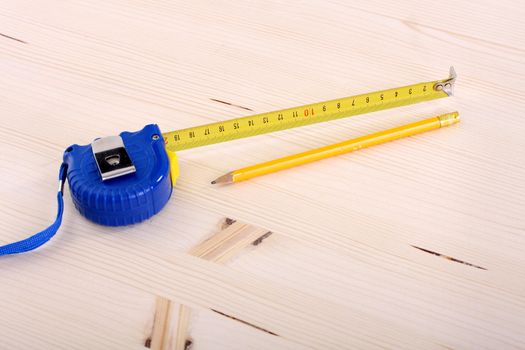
{"type": "Point", "coordinates": [448, 257]}
{"type": "Point", "coordinates": [246, 323]}
{"type": "Point", "coordinates": [262, 238]}
{"type": "Point", "coordinates": [231, 104]}
{"type": "Point", "coordinates": [227, 222]}
{"type": "Point", "coordinates": [13, 38]}
{"type": "Point", "coordinates": [147, 343]}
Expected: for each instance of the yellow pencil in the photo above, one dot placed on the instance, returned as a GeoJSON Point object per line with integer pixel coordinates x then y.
{"type": "Point", "coordinates": [338, 148]}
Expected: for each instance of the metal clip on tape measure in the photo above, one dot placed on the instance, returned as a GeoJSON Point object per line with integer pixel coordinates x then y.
{"type": "Point", "coordinates": [125, 179]}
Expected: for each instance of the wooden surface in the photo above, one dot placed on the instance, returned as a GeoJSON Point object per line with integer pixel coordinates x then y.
{"type": "Point", "coordinates": [351, 263]}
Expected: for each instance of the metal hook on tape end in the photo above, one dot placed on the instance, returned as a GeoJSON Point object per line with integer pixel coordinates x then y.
{"type": "Point", "coordinates": [447, 85]}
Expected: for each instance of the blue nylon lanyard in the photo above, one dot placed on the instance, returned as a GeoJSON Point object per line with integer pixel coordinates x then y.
{"type": "Point", "coordinates": [42, 237]}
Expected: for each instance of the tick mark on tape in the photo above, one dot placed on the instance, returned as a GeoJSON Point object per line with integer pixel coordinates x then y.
{"type": "Point", "coordinates": [246, 323]}
{"type": "Point", "coordinates": [231, 104]}
{"type": "Point", "coordinates": [448, 257]}
{"type": "Point", "coordinates": [13, 38]}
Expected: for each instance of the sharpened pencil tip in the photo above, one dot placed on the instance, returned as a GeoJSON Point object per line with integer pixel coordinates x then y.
{"type": "Point", "coordinates": [224, 179]}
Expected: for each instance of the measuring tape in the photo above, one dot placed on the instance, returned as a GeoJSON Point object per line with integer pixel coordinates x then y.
{"type": "Point", "coordinates": [308, 114]}
{"type": "Point", "coordinates": [125, 179]}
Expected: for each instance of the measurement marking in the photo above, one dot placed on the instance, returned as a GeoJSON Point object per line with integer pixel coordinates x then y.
{"type": "Point", "coordinates": [231, 104]}
{"type": "Point", "coordinates": [246, 323]}
{"type": "Point", "coordinates": [12, 38]}
{"type": "Point", "coordinates": [283, 119]}
{"type": "Point", "coordinates": [449, 258]}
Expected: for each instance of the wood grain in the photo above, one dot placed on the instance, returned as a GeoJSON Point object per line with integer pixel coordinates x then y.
{"type": "Point", "coordinates": [342, 270]}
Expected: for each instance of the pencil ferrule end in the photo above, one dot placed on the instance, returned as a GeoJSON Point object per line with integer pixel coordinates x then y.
{"type": "Point", "coordinates": [448, 119]}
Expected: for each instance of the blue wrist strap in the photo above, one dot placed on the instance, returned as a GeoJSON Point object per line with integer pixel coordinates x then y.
{"type": "Point", "coordinates": [42, 237]}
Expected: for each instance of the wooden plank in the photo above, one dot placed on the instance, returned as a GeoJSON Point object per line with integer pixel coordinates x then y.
{"type": "Point", "coordinates": [219, 248]}
{"type": "Point", "coordinates": [346, 229]}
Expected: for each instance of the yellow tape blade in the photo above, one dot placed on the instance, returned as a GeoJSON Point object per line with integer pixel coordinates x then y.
{"type": "Point", "coordinates": [304, 115]}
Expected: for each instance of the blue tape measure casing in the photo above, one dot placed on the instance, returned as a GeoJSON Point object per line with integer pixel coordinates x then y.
{"type": "Point", "coordinates": [127, 199]}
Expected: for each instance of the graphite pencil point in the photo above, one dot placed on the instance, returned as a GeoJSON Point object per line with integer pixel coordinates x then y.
{"type": "Point", "coordinates": [224, 179]}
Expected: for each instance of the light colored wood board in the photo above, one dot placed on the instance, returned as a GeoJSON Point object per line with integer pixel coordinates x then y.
{"type": "Point", "coordinates": [416, 271]}
{"type": "Point", "coordinates": [446, 187]}
{"type": "Point", "coordinates": [46, 304]}
{"type": "Point", "coordinates": [91, 69]}
{"type": "Point", "coordinates": [457, 314]}
{"type": "Point", "coordinates": [291, 313]}
{"type": "Point", "coordinates": [171, 320]}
